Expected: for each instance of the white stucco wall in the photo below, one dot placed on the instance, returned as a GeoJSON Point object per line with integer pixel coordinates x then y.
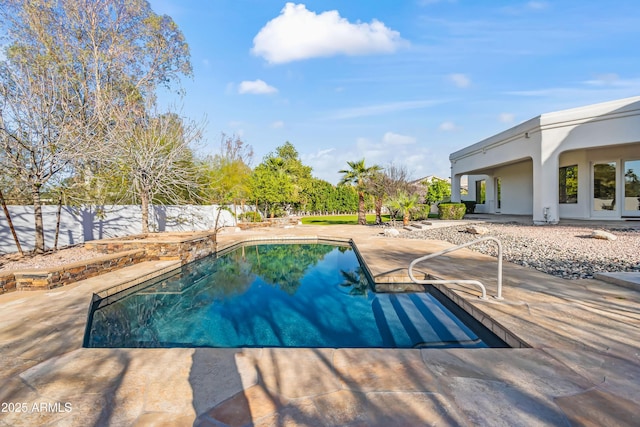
{"type": "Point", "coordinates": [601, 132]}
{"type": "Point", "coordinates": [516, 188]}
{"type": "Point", "coordinates": [81, 224]}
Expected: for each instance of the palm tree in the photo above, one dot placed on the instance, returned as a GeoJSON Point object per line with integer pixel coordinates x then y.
{"type": "Point", "coordinates": [358, 175]}
{"type": "Point", "coordinates": [377, 186]}
{"type": "Point", "coordinates": [405, 203]}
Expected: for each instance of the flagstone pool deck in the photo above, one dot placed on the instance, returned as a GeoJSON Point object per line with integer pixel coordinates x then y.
{"type": "Point", "coordinates": [582, 366]}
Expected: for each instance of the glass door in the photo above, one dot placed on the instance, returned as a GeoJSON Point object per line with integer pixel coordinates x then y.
{"type": "Point", "coordinates": [631, 205]}
{"type": "Point", "coordinates": [604, 190]}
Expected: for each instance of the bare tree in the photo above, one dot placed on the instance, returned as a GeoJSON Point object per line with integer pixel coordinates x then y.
{"type": "Point", "coordinates": [153, 159]}
{"type": "Point", "coordinates": [395, 183]}
{"type": "Point", "coordinates": [101, 57]}
{"type": "Point", "coordinates": [39, 137]}
{"type": "Point", "coordinates": [396, 180]}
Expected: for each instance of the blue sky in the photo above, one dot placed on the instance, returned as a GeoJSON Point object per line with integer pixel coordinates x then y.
{"type": "Point", "coordinates": [404, 82]}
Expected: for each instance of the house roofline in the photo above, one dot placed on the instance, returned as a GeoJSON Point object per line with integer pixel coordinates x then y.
{"type": "Point", "coordinates": [573, 116]}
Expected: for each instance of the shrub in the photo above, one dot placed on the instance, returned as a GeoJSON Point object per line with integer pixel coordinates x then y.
{"type": "Point", "coordinates": [251, 217]}
{"type": "Point", "coordinates": [470, 205]}
{"type": "Point", "coordinates": [422, 212]}
{"type": "Point", "coordinates": [451, 210]}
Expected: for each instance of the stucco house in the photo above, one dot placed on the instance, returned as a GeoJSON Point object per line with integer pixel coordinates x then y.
{"type": "Point", "coordinates": [582, 163]}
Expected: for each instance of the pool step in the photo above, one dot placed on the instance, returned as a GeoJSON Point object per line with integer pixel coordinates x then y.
{"type": "Point", "coordinates": [417, 320]}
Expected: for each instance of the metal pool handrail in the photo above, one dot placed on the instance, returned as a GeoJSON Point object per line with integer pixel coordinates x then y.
{"type": "Point", "coordinates": [467, 282]}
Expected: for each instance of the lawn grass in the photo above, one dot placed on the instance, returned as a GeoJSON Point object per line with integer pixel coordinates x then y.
{"type": "Point", "coordinates": [339, 219]}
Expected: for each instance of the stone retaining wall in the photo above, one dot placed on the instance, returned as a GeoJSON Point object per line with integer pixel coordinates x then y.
{"type": "Point", "coordinates": [185, 249]}
{"type": "Point", "coordinates": [7, 282]}
{"type": "Point", "coordinates": [48, 278]}
{"type": "Point", "coordinates": [117, 253]}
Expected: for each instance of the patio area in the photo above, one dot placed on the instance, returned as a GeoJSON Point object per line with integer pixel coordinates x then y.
{"type": "Point", "coordinates": [580, 365]}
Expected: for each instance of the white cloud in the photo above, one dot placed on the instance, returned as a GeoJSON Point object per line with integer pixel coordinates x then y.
{"type": "Point", "coordinates": [506, 117]}
{"type": "Point", "coordinates": [537, 5]}
{"type": "Point", "coordinates": [460, 80]}
{"type": "Point", "coordinates": [604, 80]}
{"type": "Point", "coordinates": [298, 34]}
{"type": "Point", "coordinates": [391, 138]}
{"type": "Point", "coordinates": [530, 6]}
{"type": "Point", "coordinates": [256, 87]}
{"type": "Point", "coordinates": [447, 126]}
{"type": "Point", "coordinates": [378, 109]}
{"type": "Point", "coordinates": [277, 124]}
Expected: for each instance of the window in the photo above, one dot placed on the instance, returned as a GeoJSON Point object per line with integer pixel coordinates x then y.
{"type": "Point", "coordinates": [568, 184]}
{"type": "Point", "coordinates": [631, 186]}
{"type": "Point", "coordinates": [481, 191]}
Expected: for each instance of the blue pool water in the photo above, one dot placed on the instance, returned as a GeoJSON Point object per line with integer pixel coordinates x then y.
{"type": "Point", "coordinates": [276, 295]}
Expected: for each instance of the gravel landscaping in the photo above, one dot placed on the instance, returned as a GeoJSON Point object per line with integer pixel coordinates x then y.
{"type": "Point", "coordinates": [49, 259]}
{"type": "Point", "coordinates": [563, 251]}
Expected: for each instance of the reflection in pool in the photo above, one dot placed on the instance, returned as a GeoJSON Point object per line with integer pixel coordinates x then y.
{"type": "Point", "coordinates": [274, 295]}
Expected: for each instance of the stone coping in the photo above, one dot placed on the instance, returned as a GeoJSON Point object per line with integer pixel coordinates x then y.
{"type": "Point", "coordinates": [165, 237]}
{"type": "Point", "coordinates": [396, 281]}
{"type": "Point", "coordinates": [225, 247]}
{"type": "Point", "coordinates": [629, 280]}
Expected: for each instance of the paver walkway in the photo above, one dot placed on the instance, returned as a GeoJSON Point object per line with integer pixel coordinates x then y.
{"type": "Point", "coordinates": [583, 367]}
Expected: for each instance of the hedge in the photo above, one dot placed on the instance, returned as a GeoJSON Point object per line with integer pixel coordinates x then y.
{"type": "Point", "coordinates": [451, 210]}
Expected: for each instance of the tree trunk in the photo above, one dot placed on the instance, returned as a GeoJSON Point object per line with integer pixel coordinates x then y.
{"type": "Point", "coordinates": [58, 214]}
{"type": "Point", "coordinates": [378, 210]}
{"type": "Point", "coordinates": [405, 219]}
{"type": "Point", "coordinates": [144, 200]}
{"type": "Point", "coordinates": [37, 213]}
{"type": "Point", "coordinates": [362, 218]}
{"type": "Point", "coordinates": [216, 226]}
{"type": "Point", "coordinates": [11, 227]}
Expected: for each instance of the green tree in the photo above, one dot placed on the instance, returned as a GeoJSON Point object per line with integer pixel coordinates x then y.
{"type": "Point", "coordinates": [278, 182]}
{"type": "Point", "coordinates": [357, 175]}
{"type": "Point", "coordinates": [346, 199]}
{"type": "Point", "coordinates": [438, 190]}
{"type": "Point", "coordinates": [226, 177]}
{"type": "Point", "coordinates": [270, 187]}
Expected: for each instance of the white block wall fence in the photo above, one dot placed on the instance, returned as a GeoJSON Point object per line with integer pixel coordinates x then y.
{"type": "Point", "coordinates": [81, 224]}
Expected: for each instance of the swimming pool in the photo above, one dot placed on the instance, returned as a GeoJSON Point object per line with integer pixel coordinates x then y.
{"type": "Point", "coordinates": [279, 295]}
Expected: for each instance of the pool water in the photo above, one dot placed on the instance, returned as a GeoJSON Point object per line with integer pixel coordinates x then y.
{"type": "Point", "coordinates": [277, 295]}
